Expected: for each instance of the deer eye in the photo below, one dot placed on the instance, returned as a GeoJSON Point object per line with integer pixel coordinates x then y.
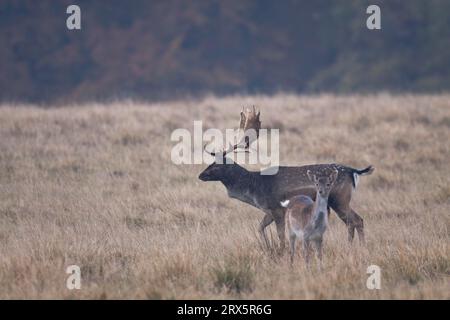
{"type": "Point", "coordinates": [328, 184]}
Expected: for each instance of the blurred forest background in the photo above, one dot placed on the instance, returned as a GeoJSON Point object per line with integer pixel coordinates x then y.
{"type": "Point", "coordinates": [156, 50]}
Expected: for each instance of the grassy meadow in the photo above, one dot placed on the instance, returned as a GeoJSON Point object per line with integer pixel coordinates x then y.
{"type": "Point", "coordinates": [93, 185]}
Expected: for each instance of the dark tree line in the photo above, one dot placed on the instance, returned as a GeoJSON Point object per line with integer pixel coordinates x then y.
{"type": "Point", "coordinates": [164, 49]}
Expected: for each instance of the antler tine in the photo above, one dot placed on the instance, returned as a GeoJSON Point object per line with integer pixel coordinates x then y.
{"type": "Point", "coordinates": [211, 153]}
{"type": "Point", "coordinates": [249, 121]}
{"type": "Point", "coordinates": [224, 151]}
{"type": "Point", "coordinates": [230, 148]}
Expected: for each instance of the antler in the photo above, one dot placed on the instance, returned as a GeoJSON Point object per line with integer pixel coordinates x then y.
{"type": "Point", "coordinates": [249, 121]}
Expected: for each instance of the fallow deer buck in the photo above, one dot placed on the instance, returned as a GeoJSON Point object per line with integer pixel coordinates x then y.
{"type": "Point", "coordinates": [307, 220]}
{"type": "Point", "coordinates": [265, 192]}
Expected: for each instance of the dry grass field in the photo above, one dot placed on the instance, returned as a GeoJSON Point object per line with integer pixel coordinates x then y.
{"type": "Point", "coordinates": [93, 185]}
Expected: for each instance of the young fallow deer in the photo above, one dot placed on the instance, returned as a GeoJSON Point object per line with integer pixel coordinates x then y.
{"type": "Point", "coordinates": [266, 191]}
{"type": "Point", "coordinates": [306, 219]}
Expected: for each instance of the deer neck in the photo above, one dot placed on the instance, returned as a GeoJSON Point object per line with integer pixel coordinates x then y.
{"type": "Point", "coordinates": [320, 205]}
{"type": "Point", "coordinates": [241, 184]}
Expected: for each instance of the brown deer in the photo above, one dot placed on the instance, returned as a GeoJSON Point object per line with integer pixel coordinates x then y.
{"type": "Point", "coordinates": [266, 191]}
{"type": "Point", "coordinates": [307, 219]}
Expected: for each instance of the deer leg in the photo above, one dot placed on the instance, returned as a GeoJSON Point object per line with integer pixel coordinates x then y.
{"type": "Point", "coordinates": [358, 223]}
{"type": "Point", "coordinates": [281, 233]}
{"type": "Point", "coordinates": [340, 203]}
{"type": "Point", "coordinates": [351, 232]}
{"type": "Point", "coordinates": [280, 222]}
{"type": "Point", "coordinates": [268, 219]}
{"type": "Point", "coordinates": [353, 221]}
{"type": "Point", "coordinates": [344, 216]}
{"type": "Point", "coordinates": [318, 244]}
{"type": "Point", "coordinates": [292, 243]}
{"type": "Point", "coordinates": [306, 251]}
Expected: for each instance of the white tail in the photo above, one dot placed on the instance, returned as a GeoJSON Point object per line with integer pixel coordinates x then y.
{"type": "Point", "coordinates": [355, 179]}
{"type": "Point", "coordinates": [285, 203]}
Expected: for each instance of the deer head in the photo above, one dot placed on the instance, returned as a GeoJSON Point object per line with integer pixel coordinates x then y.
{"type": "Point", "coordinates": [248, 132]}
{"type": "Point", "coordinates": [323, 183]}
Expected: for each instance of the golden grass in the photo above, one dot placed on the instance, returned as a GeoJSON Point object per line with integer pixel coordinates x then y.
{"type": "Point", "coordinates": [94, 186]}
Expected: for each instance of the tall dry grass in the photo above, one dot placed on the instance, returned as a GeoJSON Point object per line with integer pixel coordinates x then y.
{"type": "Point", "coordinates": [94, 186]}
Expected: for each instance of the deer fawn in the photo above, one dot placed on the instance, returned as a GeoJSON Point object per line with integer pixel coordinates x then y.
{"type": "Point", "coordinates": [307, 219]}
{"type": "Point", "coordinates": [266, 191]}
